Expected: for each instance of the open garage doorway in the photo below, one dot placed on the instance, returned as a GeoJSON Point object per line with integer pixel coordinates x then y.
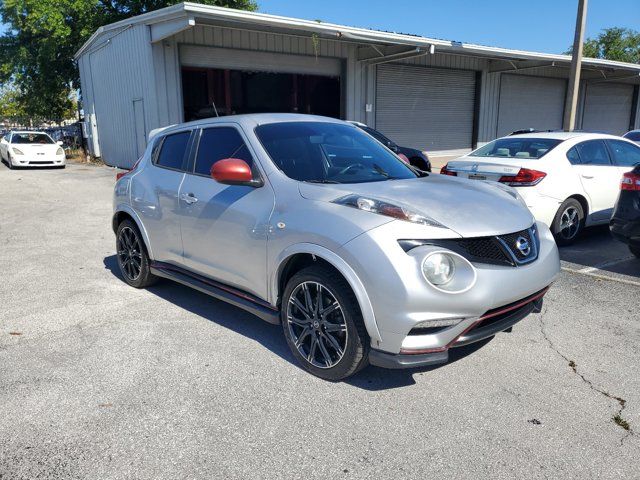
{"type": "Point", "coordinates": [211, 92]}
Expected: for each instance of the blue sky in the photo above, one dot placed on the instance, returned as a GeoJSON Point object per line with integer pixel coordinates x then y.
{"type": "Point", "coordinates": [537, 25]}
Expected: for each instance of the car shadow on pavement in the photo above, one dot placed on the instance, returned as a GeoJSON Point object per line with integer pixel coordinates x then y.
{"type": "Point", "coordinates": [271, 336]}
{"type": "Point", "coordinates": [597, 249]}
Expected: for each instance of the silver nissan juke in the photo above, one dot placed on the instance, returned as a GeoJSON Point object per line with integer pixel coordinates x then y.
{"type": "Point", "coordinates": [310, 223]}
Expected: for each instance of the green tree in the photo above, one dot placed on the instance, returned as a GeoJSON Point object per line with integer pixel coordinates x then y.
{"type": "Point", "coordinates": [36, 50]}
{"type": "Point", "coordinates": [621, 44]}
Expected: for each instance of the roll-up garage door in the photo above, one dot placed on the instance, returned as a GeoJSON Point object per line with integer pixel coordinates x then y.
{"type": "Point", "coordinates": [426, 108]}
{"type": "Point", "coordinates": [530, 102]}
{"type": "Point", "coordinates": [607, 108]}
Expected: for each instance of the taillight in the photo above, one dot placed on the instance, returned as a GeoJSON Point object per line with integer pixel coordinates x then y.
{"type": "Point", "coordinates": [524, 178]}
{"type": "Point", "coordinates": [445, 171]}
{"type": "Point", "coordinates": [630, 181]}
{"type": "Point", "coordinates": [119, 175]}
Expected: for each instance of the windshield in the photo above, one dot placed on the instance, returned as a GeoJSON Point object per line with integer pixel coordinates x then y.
{"type": "Point", "coordinates": [514, 147]}
{"type": "Point", "coordinates": [31, 138]}
{"type": "Point", "coordinates": [321, 152]}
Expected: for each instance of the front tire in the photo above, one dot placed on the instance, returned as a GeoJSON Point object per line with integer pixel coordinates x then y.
{"type": "Point", "coordinates": [568, 222]}
{"type": "Point", "coordinates": [132, 255]}
{"type": "Point", "coordinates": [323, 324]}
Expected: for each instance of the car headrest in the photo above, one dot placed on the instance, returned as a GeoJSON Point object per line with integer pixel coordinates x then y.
{"type": "Point", "coordinates": [522, 155]}
{"type": "Point", "coordinates": [502, 152]}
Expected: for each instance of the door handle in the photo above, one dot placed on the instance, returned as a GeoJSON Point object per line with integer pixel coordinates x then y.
{"type": "Point", "coordinates": [587, 176]}
{"type": "Point", "coordinates": [188, 198]}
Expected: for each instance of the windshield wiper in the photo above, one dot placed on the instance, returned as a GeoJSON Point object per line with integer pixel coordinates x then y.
{"type": "Point", "coordinates": [380, 170]}
{"type": "Point", "coordinates": [321, 181]}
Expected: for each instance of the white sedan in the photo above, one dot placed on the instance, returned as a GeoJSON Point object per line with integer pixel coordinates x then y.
{"type": "Point", "coordinates": [568, 180]}
{"type": "Point", "coordinates": [31, 149]}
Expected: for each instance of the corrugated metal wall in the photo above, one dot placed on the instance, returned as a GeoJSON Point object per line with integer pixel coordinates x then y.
{"type": "Point", "coordinates": [115, 72]}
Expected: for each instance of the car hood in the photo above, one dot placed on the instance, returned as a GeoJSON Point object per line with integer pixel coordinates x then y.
{"type": "Point", "coordinates": [33, 148]}
{"type": "Point", "coordinates": [469, 208]}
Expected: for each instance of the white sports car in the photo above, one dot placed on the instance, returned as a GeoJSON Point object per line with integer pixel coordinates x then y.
{"type": "Point", "coordinates": [31, 149]}
{"type": "Point", "coordinates": [568, 180]}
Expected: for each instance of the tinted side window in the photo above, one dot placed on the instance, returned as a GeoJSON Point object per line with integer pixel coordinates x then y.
{"type": "Point", "coordinates": [217, 144]}
{"type": "Point", "coordinates": [573, 156]}
{"type": "Point", "coordinates": [593, 152]}
{"type": "Point", "coordinates": [624, 154]}
{"type": "Point", "coordinates": [173, 150]}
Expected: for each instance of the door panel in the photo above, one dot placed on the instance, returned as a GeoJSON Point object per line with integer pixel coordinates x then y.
{"type": "Point", "coordinates": [154, 196]}
{"type": "Point", "coordinates": [225, 227]}
{"type": "Point", "coordinates": [600, 179]}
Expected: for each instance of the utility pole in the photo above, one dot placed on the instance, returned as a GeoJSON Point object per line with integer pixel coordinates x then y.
{"type": "Point", "coordinates": [576, 63]}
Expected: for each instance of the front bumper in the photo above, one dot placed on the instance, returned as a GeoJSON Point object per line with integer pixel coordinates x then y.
{"type": "Point", "coordinates": [493, 322]}
{"type": "Point", "coordinates": [25, 161]}
{"type": "Point", "coordinates": [404, 303]}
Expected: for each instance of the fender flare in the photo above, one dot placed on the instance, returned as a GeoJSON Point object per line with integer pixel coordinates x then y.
{"type": "Point", "coordinates": [124, 208]}
{"type": "Point", "coordinates": [339, 264]}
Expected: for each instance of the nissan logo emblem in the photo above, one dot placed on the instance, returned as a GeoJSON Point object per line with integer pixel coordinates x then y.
{"type": "Point", "coordinates": [522, 244]}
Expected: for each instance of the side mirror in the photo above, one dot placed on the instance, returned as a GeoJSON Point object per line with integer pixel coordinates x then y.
{"type": "Point", "coordinates": [60, 142]}
{"type": "Point", "coordinates": [233, 171]}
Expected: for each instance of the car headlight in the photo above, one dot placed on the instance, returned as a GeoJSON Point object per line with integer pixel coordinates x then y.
{"type": "Point", "coordinates": [380, 207]}
{"type": "Point", "coordinates": [17, 151]}
{"type": "Point", "coordinates": [448, 272]}
{"type": "Point", "coordinates": [60, 151]}
{"type": "Point", "coordinates": [438, 268]}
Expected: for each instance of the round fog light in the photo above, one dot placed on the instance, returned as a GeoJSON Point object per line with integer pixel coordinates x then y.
{"type": "Point", "coordinates": [439, 268]}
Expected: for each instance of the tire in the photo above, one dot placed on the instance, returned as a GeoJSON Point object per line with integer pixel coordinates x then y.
{"type": "Point", "coordinates": [133, 259]}
{"type": "Point", "coordinates": [568, 223]}
{"type": "Point", "coordinates": [9, 164]}
{"type": "Point", "coordinates": [339, 333]}
{"type": "Point", "coordinates": [635, 251]}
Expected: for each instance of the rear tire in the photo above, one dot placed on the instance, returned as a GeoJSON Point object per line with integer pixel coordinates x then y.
{"type": "Point", "coordinates": [132, 256]}
{"type": "Point", "coordinates": [635, 251]}
{"type": "Point", "coordinates": [569, 222]}
{"type": "Point", "coordinates": [327, 337]}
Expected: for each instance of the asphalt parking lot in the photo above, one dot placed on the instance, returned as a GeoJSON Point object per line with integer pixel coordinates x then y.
{"type": "Point", "coordinates": [100, 380]}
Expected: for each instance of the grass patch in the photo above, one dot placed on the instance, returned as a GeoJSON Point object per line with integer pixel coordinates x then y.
{"type": "Point", "coordinates": [621, 422]}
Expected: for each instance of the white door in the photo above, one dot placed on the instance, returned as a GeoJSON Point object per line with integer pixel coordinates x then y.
{"type": "Point", "coordinates": [426, 108]}
{"type": "Point", "coordinates": [600, 178]}
{"type": "Point", "coordinates": [530, 102]}
{"type": "Point", "coordinates": [607, 108]}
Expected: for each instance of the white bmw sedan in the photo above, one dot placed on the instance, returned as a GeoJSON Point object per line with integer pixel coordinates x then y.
{"type": "Point", "coordinates": [31, 149]}
{"type": "Point", "coordinates": [568, 180]}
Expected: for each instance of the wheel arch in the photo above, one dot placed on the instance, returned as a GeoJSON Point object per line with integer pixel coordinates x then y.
{"type": "Point", "coordinates": [298, 256]}
{"type": "Point", "coordinates": [584, 202]}
{"type": "Point", "coordinates": [125, 212]}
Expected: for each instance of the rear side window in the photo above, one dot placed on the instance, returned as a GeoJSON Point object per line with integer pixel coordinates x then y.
{"type": "Point", "coordinates": [573, 156]}
{"type": "Point", "coordinates": [633, 136]}
{"type": "Point", "coordinates": [593, 152]}
{"type": "Point", "coordinates": [624, 154]}
{"type": "Point", "coordinates": [217, 144]}
{"type": "Point", "coordinates": [173, 150]}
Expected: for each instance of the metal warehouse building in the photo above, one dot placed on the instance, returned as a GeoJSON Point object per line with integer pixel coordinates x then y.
{"type": "Point", "coordinates": [193, 61]}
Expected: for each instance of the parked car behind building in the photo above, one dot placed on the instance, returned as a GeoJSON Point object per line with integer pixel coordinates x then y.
{"type": "Point", "coordinates": [569, 180]}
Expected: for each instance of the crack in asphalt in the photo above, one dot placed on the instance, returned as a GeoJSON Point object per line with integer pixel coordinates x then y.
{"type": "Point", "coordinates": [622, 403]}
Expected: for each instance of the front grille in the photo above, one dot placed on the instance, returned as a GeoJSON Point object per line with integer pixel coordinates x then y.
{"type": "Point", "coordinates": [522, 245]}
{"type": "Point", "coordinates": [496, 250]}
{"type": "Point", "coordinates": [41, 162]}
{"type": "Point", "coordinates": [483, 248]}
